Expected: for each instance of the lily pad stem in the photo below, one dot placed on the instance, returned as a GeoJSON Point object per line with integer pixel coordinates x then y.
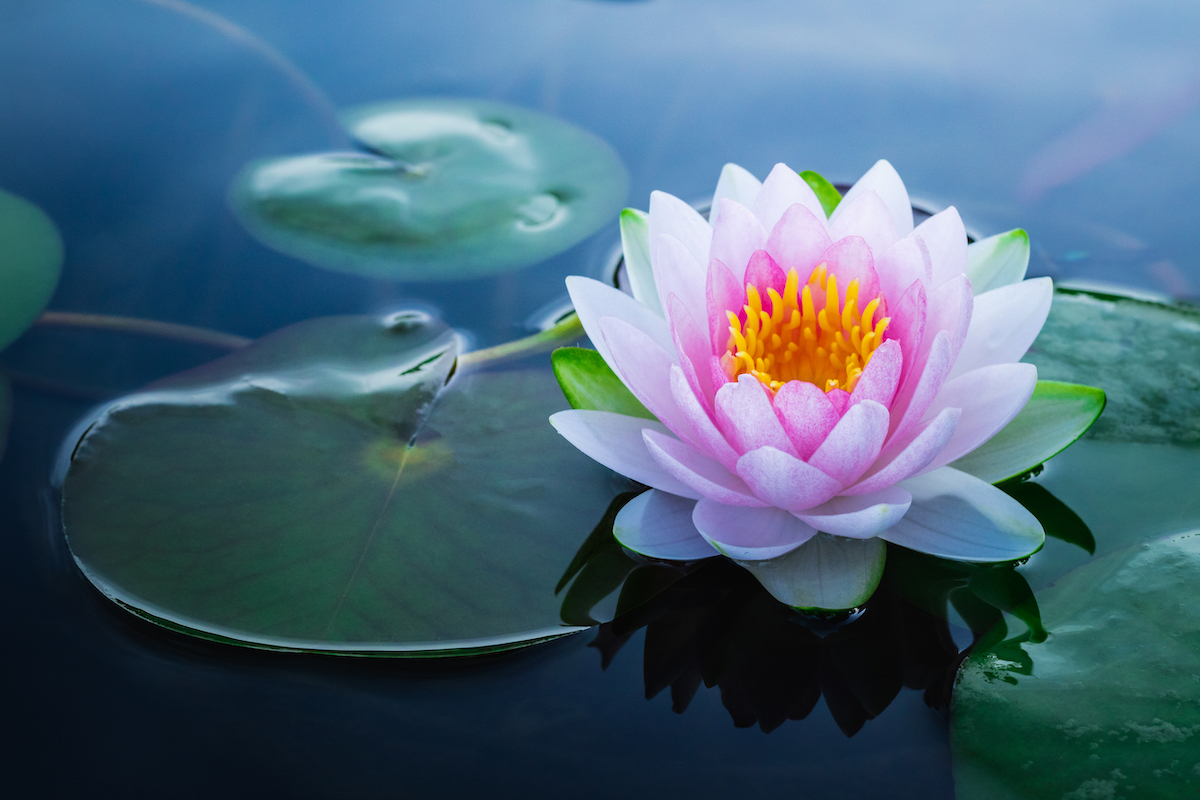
{"type": "Point", "coordinates": [144, 327]}
{"type": "Point", "coordinates": [568, 330]}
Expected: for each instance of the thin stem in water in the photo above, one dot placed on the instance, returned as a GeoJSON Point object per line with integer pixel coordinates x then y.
{"type": "Point", "coordinates": [565, 331]}
{"type": "Point", "coordinates": [144, 327]}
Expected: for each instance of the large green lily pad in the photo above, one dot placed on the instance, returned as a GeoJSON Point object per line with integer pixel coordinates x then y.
{"type": "Point", "coordinates": [1111, 705]}
{"type": "Point", "coordinates": [31, 256]}
{"type": "Point", "coordinates": [326, 490]}
{"type": "Point", "coordinates": [454, 189]}
{"type": "Point", "coordinates": [1145, 355]}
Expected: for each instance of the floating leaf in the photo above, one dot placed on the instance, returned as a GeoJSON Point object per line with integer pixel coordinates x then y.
{"type": "Point", "coordinates": [31, 255]}
{"type": "Point", "coordinates": [590, 384]}
{"type": "Point", "coordinates": [1145, 355]}
{"type": "Point", "coordinates": [456, 189]}
{"type": "Point", "coordinates": [825, 191]}
{"type": "Point", "coordinates": [1109, 705]}
{"type": "Point", "coordinates": [320, 490]}
{"type": "Point", "coordinates": [1056, 415]}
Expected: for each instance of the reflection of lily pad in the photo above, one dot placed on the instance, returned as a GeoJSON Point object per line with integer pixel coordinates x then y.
{"type": "Point", "coordinates": [460, 188]}
{"type": "Point", "coordinates": [1146, 357]}
{"type": "Point", "coordinates": [30, 260]}
{"type": "Point", "coordinates": [320, 490]}
{"type": "Point", "coordinates": [1112, 707]}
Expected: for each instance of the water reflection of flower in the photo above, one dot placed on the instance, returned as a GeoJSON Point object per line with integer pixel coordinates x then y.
{"type": "Point", "coordinates": [809, 373]}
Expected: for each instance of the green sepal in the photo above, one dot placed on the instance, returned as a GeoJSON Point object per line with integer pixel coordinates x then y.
{"type": "Point", "coordinates": [589, 384]}
{"type": "Point", "coordinates": [998, 260]}
{"type": "Point", "coordinates": [825, 191]}
{"type": "Point", "coordinates": [1056, 415]}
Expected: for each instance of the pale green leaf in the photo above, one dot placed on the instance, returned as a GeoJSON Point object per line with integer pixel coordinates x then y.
{"type": "Point", "coordinates": [590, 384]}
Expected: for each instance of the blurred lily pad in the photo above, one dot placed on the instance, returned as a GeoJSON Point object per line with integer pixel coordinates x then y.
{"type": "Point", "coordinates": [31, 255]}
{"type": "Point", "coordinates": [326, 490]}
{"type": "Point", "coordinates": [1109, 704]}
{"type": "Point", "coordinates": [452, 189]}
{"type": "Point", "coordinates": [1145, 355]}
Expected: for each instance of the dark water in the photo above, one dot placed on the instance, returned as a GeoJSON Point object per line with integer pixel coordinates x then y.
{"type": "Point", "coordinates": [126, 121]}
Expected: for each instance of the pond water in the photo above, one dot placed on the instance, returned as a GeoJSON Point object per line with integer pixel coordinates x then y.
{"type": "Point", "coordinates": [128, 122]}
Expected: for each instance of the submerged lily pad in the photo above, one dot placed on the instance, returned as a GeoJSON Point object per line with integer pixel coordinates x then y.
{"type": "Point", "coordinates": [31, 255]}
{"type": "Point", "coordinates": [454, 189]}
{"type": "Point", "coordinates": [325, 490]}
{"type": "Point", "coordinates": [1145, 355]}
{"type": "Point", "coordinates": [1109, 704]}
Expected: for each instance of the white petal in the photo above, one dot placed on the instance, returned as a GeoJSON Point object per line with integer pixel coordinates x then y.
{"type": "Point", "coordinates": [749, 534]}
{"type": "Point", "coordinates": [998, 260]}
{"type": "Point", "coordinates": [736, 237]}
{"type": "Point", "coordinates": [659, 525]}
{"type": "Point", "coordinates": [1004, 323]}
{"type": "Point", "coordinates": [736, 184]}
{"type": "Point", "coordinates": [782, 189]}
{"type": "Point", "coordinates": [677, 272]}
{"type": "Point", "coordinates": [990, 397]}
{"type": "Point", "coordinates": [593, 300]}
{"type": "Point", "coordinates": [946, 240]}
{"type": "Point", "coordinates": [866, 216]}
{"type": "Point", "coordinates": [859, 516]}
{"type": "Point", "coordinates": [635, 244]}
{"type": "Point", "coordinates": [955, 515]}
{"type": "Point", "coordinates": [670, 216]}
{"type": "Point", "coordinates": [704, 475]}
{"type": "Point", "coordinates": [825, 573]}
{"type": "Point", "coordinates": [615, 441]}
{"type": "Point", "coordinates": [882, 178]}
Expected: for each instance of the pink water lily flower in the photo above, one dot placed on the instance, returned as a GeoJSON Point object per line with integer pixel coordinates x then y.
{"type": "Point", "coordinates": [810, 374]}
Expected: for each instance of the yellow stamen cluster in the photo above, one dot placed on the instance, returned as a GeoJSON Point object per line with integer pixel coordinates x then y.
{"type": "Point", "coordinates": [819, 340]}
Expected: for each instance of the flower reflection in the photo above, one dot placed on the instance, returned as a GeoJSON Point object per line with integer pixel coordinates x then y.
{"type": "Point", "coordinates": [711, 623]}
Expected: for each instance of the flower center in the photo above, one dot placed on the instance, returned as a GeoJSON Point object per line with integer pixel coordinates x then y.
{"type": "Point", "coordinates": [829, 347]}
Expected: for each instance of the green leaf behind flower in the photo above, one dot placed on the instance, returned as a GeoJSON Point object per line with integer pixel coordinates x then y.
{"type": "Point", "coordinates": [635, 244]}
{"type": "Point", "coordinates": [825, 191]}
{"type": "Point", "coordinates": [590, 384]}
{"type": "Point", "coordinates": [1056, 415]}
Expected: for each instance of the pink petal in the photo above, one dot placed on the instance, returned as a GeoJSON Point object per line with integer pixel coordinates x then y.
{"type": "Point", "coordinates": [615, 441]}
{"type": "Point", "coordinates": [945, 239]}
{"type": "Point", "coordinates": [659, 525]}
{"type": "Point", "coordinates": [717, 373]}
{"type": "Point", "coordinates": [749, 534]}
{"type": "Point", "coordinates": [853, 444]}
{"type": "Point", "coordinates": [859, 516]}
{"type": "Point", "coordinates": [1004, 323]}
{"type": "Point", "coordinates": [881, 376]}
{"type": "Point", "coordinates": [763, 273]}
{"type": "Point", "coordinates": [900, 265]}
{"type": "Point", "coordinates": [838, 398]}
{"type": "Point", "coordinates": [739, 234]}
{"type": "Point", "coordinates": [783, 189]}
{"type": "Point", "coordinates": [745, 416]}
{"type": "Point", "coordinates": [807, 415]}
{"type": "Point", "coordinates": [908, 327]}
{"type": "Point", "coordinates": [671, 216]}
{"type": "Point", "coordinates": [736, 184]}
{"type": "Point", "coordinates": [913, 457]}
{"type": "Point", "coordinates": [692, 347]}
{"type": "Point", "coordinates": [645, 369]}
{"type": "Point", "coordinates": [798, 240]}
{"type": "Point", "coordinates": [593, 300]}
{"type": "Point", "coordinates": [677, 273]}
{"type": "Point", "coordinates": [723, 293]}
{"type": "Point", "coordinates": [848, 259]}
{"type": "Point", "coordinates": [989, 398]}
{"type": "Point", "coordinates": [883, 180]}
{"type": "Point", "coordinates": [696, 470]}
{"type": "Point", "coordinates": [784, 481]}
{"type": "Point", "coordinates": [865, 216]}
{"type": "Point", "coordinates": [950, 309]}
{"type": "Point", "coordinates": [913, 399]}
{"type": "Point", "coordinates": [703, 431]}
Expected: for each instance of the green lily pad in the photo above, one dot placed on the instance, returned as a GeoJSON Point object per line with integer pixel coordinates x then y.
{"type": "Point", "coordinates": [1109, 704]}
{"type": "Point", "coordinates": [455, 189]}
{"type": "Point", "coordinates": [31, 255]}
{"type": "Point", "coordinates": [1145, 355]}
{"type": "Point", "coordinates": [326, 490]}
